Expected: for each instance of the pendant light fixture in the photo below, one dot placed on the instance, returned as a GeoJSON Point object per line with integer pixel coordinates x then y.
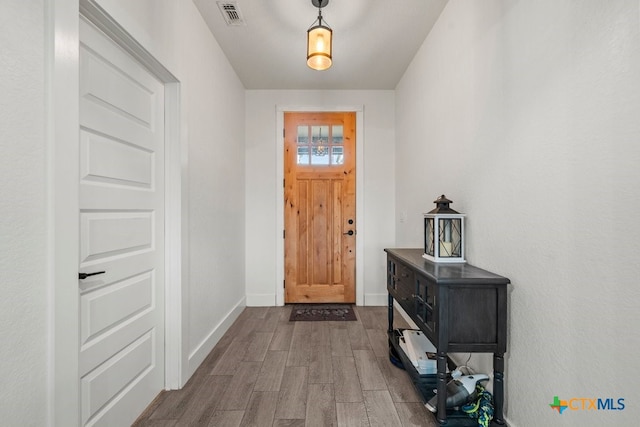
{"type": "Point", "coordinates": [319, 39]}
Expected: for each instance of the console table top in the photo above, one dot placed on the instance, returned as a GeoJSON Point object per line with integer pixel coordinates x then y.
{"type": "Point", "coordinates": [442, 273]}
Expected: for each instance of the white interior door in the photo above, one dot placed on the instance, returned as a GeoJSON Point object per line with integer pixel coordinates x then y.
{"type": "Point", "coordinates": [121, 233]}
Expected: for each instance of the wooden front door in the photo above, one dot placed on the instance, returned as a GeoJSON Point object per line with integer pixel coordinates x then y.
{"type": "Point", "coordinates": [320, 208]}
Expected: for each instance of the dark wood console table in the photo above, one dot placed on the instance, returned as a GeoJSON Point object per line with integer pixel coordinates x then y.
{"type": "Point", "coordinates": [460, 308]}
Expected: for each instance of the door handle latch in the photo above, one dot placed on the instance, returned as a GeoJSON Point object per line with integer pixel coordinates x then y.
{"type": "Point", "coordinates": [350, 232]}
{"type": "Point", "coordinates": [85, 275]}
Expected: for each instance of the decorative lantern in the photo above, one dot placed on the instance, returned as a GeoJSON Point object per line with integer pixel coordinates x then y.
{"type": "Point", "coordinates": [444, 233]}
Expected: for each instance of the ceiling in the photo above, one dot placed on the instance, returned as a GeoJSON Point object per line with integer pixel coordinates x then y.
{"type": "Point", "coordinates": [373, 40]}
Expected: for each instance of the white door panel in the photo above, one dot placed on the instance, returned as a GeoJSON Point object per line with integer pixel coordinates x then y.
{"type": "Point", "coordinates": [121, 233]}
{"type": "Point", "coordinates": [117, 91]}
{"type": "Point", "coordinates": [118, 84]}
{"type": "Point", "coordinates": [108, 234]}
{"type": "Point", "coordinates": [116, 126]}
{"type": "Point", "coordinates": [105, 105]}
{"type": "Point", "coordinates": [100, 385]}
{"type": "Point", "coordinates": [101, 119]}
{"type": "Point", "coordinates": [102, 309]}
{"type": "Point", "coordinates": [104, 391]}
{"type": "Point", "coordinates": [116, 162]}
{"type": "Point", "coordinates": [109, 344]}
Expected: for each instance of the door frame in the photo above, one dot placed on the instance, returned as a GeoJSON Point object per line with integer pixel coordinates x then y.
{"type": "Point", "coordinates": [62, 88]}
{"type": "Point", "coordinates": [280, 110]}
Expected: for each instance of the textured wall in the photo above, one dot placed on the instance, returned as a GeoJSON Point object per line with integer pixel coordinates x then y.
{"type": "Point", "coordinates": [214, 109]}
{"type": "Point", "coordinates": [23, 233]}
{"type": "Point", "coordinates": [212, 129]}
{"type": "Point", "coordinates": [526, 115]}
{"type": "Point", "coordinates": [212, 126]}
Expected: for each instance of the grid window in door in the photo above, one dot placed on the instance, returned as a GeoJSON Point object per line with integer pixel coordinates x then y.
{"type": "Point", "coordinates": [320, 145]}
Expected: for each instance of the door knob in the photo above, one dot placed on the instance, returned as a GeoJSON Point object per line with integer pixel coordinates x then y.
{"type": "Point", "coordinates": [350, 233]}
{"type": "Point", "coordinates": [85, 275]}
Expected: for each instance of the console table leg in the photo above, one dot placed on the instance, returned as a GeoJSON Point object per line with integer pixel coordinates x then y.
{"type": "Point", "coordinates": [390, 313]}
{"type": "Point", "coordinates": [498, 388]}
{"type": "Point", "coordinates": [442, 387]}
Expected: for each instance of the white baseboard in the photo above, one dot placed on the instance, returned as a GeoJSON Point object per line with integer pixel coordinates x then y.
{"type": "Point", "coordinates": [376, 299]}
{"type": "Point", "coordinates": [200, 353]}
{"type": "Point", "coordinates": [261, 300]}
{"type": "Point", "coordinates": [269, 300]}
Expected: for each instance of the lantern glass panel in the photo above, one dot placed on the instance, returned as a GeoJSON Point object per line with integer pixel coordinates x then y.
{"type": "Point", "coordinates": [429, 236]}
{"type": "Point", "coordinates": [450, 237]}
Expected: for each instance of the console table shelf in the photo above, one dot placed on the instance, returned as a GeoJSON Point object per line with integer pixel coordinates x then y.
{"type": "Point", "coordinates": [460, 308]}
{"type": "Point", "coordinates": [425, 384]}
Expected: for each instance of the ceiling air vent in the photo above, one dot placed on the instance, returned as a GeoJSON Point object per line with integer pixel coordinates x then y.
{"type": "Point", "coordinates": [231, 13]}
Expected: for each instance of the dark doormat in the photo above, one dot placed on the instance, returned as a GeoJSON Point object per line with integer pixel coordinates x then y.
{"type": "Point", "coordinates": [315, 312]}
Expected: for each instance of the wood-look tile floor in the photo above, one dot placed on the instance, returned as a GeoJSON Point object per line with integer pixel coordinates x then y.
{"type": "Point", "coordinates": [267, 371]}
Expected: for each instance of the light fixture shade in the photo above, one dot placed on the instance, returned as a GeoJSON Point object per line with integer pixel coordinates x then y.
{"type": "Point", "coordinates": [319, 39]}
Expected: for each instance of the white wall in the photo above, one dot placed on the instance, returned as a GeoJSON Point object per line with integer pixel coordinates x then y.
{"type": "Point", "coordinates": [23, 221]}
{"type": "Point", "coordinates": [263, 187]}
{"type": "Point", "coordinates": [527, 115]}
{"type": "Point", "coordinates": [212, 126]}
{"type": "Point", "coordinates": [212, 134]}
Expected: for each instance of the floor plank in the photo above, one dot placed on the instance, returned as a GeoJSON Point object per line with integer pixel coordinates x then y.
{"type": "Point", "coordinates": [321, 366]}
{"type": "Point", "coordinates": [345, 378]}
{"type": "Point", "coordinates": [321, 406]}
{"type": "Point", "coordinates": [268, 371]}
{"type": "Point", "coordinates": [226, 419]}
{"type": "Point", "coordinates": [231, 359]}
{"type": "Point", "coordinates": [380, 408]}
{"type": "Point", "coordinates": [271, 320]}
{"type": "Point", "coordinates": [414, 414]}
{"type": "Point", "coordinates": [240, 387]}
{"type": "Point", "coordinates": [155, 423]}
{"type": "Point", "coordinates": [282, 337]}
{"type": "Point", "coordinates": [175, 403]}
{"type": "Point", "coordinates": [292, 400]}
{"type": "Point", "coordinates": [321, 334]}
{"type": "Point", "coordinates": [352, 415]}
{"type": "Point", "coordinates": [258, 346]}
{"type": "Point", "coordinates": [288, 423]}
{"type": "Point", "coordinates": [270, 376]}
{"type": "Point", "coordinates": [398, 382]}
{"type": "Point", "coordinates": [340, 343]}
{"type": "Point", "coordinates": [369, 373]}
{"type": "Point", "coordinates": [379, 342]}
{"type": "Point", "coordinates": [200, 409]}
{"type": "Point", "coordinates": [301, 345]}
{"type": "Point", "coordinates": [358, 338]}
{"type": "Point", "coordinates": [261, 409]}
